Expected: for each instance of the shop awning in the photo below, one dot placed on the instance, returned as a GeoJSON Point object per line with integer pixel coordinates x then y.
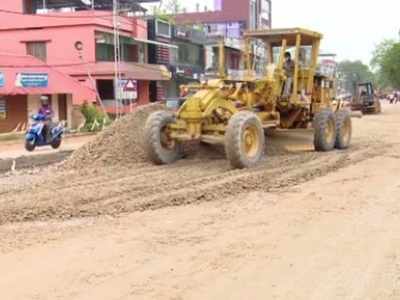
{"type": "Point", "coordinates": [136, 71]}
{"type": "Point", "coordinates": [156, 43]}
{"type": "Point", "coordinates": [26, 75]}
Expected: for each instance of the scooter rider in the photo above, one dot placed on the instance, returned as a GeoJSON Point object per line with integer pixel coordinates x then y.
{"type": "Point", "coordinates": [46, 110]}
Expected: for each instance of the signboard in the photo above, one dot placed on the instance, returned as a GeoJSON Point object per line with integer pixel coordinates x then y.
{"type": "Point", "coordinates": [327, 67]}
{"type": "Point", "coordinates": [233, 43]}
{"type": "Point", "coordinates": [2, 80]}
{"type": "Point", "coordinates": [32, 80]}
{"type": "Point", "coordinates": [184, 71]}
{"type": "Point", "coordinates": [128, 89]}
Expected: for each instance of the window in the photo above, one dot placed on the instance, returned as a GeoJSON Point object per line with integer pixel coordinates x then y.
{"type": "Point", "coordinates": [3, 108]}
{"type": "Point", "coordinates": [190, 54]}
{"type": "Point", "coordinates": [265, 14]}
{"type": "Point", "coordinates": [163, 29]}
{"type": "Point", "coordinates": [105, 89]}
{"type": "Point", "coordinates": [28, 7]}
{"type": "Point", "coordinates": [131, 51]}
{"type": "Point", "coordinates": [37, 49]}
{"type": "Point", "coordinates": [233, 30]}
{"type": "Point", "coordinates": [266, 7]}
{"type": "Point", "coordinates": [253, 15]}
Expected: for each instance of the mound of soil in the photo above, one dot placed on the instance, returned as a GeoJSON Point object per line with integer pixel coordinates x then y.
{"type": "Point", "coordinates": [120, 144]}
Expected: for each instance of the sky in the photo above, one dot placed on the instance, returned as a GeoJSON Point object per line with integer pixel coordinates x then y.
{"type": "Point", "coordinates": [351, 28]}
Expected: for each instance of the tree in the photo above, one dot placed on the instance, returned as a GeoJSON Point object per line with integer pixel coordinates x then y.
{"type": "Point", "coordinates": [352, 72]}
{"type": "Point", "coordinates": [386, 63]}
{"type": "Point", "coordinates": [172, 6]}
{"type": "Point", "coordinates": [167, 10]}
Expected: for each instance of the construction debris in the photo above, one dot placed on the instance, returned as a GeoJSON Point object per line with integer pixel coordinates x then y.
{"type": "Point", "coordinates": [120, 144]}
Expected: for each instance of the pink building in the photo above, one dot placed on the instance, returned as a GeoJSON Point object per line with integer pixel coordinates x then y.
{"type": "Point", "coordinates": [52, 38]}
{"type": "Point", "coordinates": [231, 17]}
{"type": "Point", "coordinates": [23, 79]}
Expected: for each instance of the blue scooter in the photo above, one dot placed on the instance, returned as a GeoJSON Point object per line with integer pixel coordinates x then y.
{"type": "Point", "coordinates": [35, 136]}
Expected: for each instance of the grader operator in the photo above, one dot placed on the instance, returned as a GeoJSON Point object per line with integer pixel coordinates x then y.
{"type": "Point", "coordinates": [235, 112]}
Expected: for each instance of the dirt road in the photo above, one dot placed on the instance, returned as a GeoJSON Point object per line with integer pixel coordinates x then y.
{"type": "Point", "coordinates": [303, 225]}
{"type": "Point", "coordinates": [15, 149]}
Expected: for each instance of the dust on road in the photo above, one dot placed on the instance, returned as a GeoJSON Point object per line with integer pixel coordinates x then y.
{"type": "Point", "coordinates": [302, 225]}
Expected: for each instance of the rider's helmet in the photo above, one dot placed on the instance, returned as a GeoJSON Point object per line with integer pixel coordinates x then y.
{"type": "Point", "coordinates": [44, 100]}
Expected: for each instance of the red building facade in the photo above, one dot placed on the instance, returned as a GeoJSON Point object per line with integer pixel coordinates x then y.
{"type": "Point", "coordinates": [51, 36]}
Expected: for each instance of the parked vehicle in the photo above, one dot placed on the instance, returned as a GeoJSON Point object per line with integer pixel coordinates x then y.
{"type": "Point", "coordinates": [36, 135]}
{"type": "Point", "coordinates": [365, 99]}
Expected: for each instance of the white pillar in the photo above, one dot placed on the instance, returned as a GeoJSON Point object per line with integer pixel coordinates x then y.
{"type": "Point", "coordinates": [33, 105]}
{"type": "Point", "coordinates": [69, 111]}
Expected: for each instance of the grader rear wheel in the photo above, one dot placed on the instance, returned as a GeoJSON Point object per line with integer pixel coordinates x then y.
{"type": "Point", "coordinates": [343, 129]}
{"type": "Point", "coordinates": [325, 131]}
{"type": "Point", "coordinates": [160, 148]}
{"type": "Point", "coordinates": [244, 140]}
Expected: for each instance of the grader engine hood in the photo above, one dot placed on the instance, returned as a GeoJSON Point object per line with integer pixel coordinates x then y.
{"type": "Point", "coordinates": [209, 109]}
{"type": "Point", "coordinates": [195, 106]}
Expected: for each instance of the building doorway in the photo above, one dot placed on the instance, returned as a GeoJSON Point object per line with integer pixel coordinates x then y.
{"type": "Point", "coordinates": [153, 91]}
{"type": "Point", "coordinates": [14, 113]}
{"type": "Point", "coordinates": [62, 107]}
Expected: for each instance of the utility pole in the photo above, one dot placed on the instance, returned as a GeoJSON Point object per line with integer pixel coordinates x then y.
{"type": "Point", "coordinates": [79, 48]}
{"type": "Point", "coordinates": [117, 59]}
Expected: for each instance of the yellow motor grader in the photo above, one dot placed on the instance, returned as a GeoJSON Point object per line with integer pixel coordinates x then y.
{"type": "Point", "coordinates": [236, 112]}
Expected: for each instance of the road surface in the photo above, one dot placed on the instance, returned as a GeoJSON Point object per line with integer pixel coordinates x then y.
{"type": "Point", "coordinates": [303, 225]}
{"type": "Point", "coordinates": [15, 149]}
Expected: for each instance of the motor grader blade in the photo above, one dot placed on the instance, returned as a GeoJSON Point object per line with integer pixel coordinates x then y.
{"type": "Point", "coordinates": [293, 140]}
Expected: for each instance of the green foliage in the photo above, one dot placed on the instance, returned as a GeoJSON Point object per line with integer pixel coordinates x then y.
{"type": "Point", "coordinates": [353, 72]}
{"type": "Point", "coordinates": [386, 62]}
{"type": "Point", "coordinates": [167, 10]}
{"type": "Point", "coordinates": [95, 119]}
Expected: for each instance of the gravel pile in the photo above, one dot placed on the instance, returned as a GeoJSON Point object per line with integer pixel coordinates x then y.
{"type": "Point", "coordinates": [120, 144]}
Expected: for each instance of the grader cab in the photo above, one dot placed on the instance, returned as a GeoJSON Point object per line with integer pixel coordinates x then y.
{"type": "Point", "coordinates": [291, 94]}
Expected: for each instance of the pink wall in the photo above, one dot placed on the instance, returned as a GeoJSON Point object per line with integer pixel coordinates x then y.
{"type": "Point", "coordinates": [232, 10]}
{"type": "Point", "coordinates": [60, 38]}
{"type": "Point", "coordinates": [58, 19]}
{"type": "Point", "coordinates": [60, 43]}
{"type": "Point", "coordinates": [139, 28]}
{"type": "Point", "coordinates": [13, 5]}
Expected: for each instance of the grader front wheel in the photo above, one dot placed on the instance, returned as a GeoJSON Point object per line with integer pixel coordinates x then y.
{"type": "Point", "coordinates": [244, 140]}
{"type": "Point", "coordinates": [325, 130]}
{"type": "Point", "coordinates": [160, 148]}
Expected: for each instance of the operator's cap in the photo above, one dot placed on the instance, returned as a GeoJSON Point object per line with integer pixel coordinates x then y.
{"type": "Point", "coordinates": [44, 98]}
